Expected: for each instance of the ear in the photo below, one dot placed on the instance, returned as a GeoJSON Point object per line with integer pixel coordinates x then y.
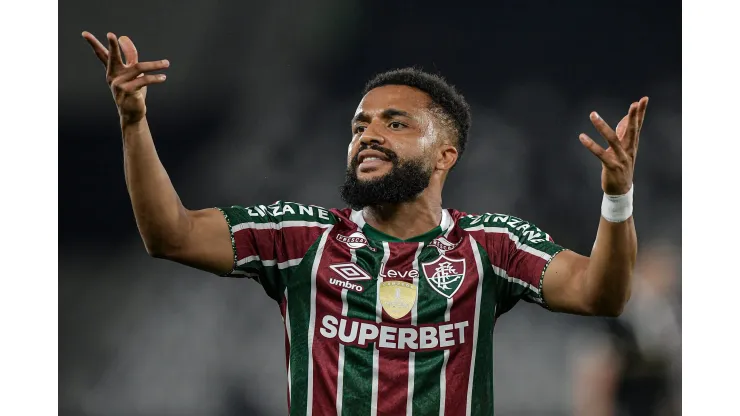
{"type": "Point", "coordinates": [446, 157]}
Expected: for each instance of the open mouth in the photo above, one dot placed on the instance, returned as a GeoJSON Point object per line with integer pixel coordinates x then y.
{"type": "Point", "coordinates": [371, 159]}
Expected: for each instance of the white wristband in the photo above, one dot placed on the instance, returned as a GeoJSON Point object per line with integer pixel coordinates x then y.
{"type": "Point", "coordinates": [617, 208]}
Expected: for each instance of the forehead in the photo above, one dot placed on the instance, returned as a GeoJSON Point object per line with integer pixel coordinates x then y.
{"type": "Point", "coordinates": [400, 97]}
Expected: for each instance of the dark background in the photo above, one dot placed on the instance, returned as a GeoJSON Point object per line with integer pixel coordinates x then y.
{"type": "Point", "coordinates": [256, 108]}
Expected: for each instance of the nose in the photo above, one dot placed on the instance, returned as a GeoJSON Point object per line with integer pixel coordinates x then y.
{"type": "Point", "coordinates": [369, 136]}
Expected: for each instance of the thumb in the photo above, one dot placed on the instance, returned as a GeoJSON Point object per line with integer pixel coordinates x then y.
{"type": "Point", "coordinates": [622, 127]}
{"type": "Point", "coordinates": [129, 50]}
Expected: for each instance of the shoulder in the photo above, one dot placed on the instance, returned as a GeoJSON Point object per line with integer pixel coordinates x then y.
{"type": "Point", "coordinates": [493, 224]}
{"type": "Point", "coordinates": [283, 213]}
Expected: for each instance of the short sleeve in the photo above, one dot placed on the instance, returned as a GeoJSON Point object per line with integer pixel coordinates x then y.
{"type": "Point", "coordinates": [519, 253]}
{"type": "Point", "coordinates": [270, 241]}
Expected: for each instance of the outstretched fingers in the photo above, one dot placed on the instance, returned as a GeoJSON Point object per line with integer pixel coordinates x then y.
{"type": "Point", "coordinates": [641, 110]}
{"type": "Point", "coordinates": [594, 148]}
{"type": "Point", "coordinates": [114, 55]}
{"type": "Point", "coordinates": [142, 81]}
{"type": "Point", "coordinates": [129, 50]}
{"type": "Point", "coordinates": [622, 151]}
{"type": "Point", "coordinates": [632, 129]}
{"type": "Point", "coordinates": [607, 133]}
{"type": "Point", "coordinates": [100, 51]}
{"type": "Point", "coordinates": [135, 70]}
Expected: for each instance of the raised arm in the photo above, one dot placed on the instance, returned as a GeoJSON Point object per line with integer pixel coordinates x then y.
{"type": "Point", "coordinates": [199, 239]}
{"type": "Point", "coordinates": [601, 284]}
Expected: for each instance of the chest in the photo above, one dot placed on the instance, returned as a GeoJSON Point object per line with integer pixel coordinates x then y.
{"type": "Point", "coordinates": [398, 283]}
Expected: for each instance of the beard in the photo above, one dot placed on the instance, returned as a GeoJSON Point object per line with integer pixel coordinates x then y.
{"type": "Point", "coordinates": [405, 181]}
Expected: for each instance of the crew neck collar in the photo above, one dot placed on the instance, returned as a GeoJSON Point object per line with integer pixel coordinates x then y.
{"type": "Point", "coordinates": [442, 229]}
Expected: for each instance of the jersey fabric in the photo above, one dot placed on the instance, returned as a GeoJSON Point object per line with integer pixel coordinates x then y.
{"type": "Point", "coordinates": [379, 326]}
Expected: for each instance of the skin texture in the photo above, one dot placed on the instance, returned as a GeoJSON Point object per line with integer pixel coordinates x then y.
{"type": "Point", "coordinates": [417, 134]}
{"type": "Point", "coordinates": [398, 119]}
{"type": "Point", "coordinates": [601, 284]}
{"type": "Point", "coordinates": [169, 230]}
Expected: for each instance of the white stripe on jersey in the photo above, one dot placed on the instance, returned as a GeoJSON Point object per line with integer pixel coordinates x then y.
{"type": "Point", "coordinates": [247, 274]}
{"type": "Point", "coordinates": [443, 373]}
{"type": "Point", "coordinates": [502, 273]}
{"type": "Point", "coordinates": [340, 364]}
{"type": "Point", "coordinates": [287, 331]}
{"type": "Point", "coordinates": [412, 355]}
{"type": "Point", "coordinates": [270, 263]}
{"type": "Point", "coordinates": [312, 320]}
{"type": "Point", "coordinates": [478, 292]}
{"type": "Point", "coordinates": [447, 225]}
{"type": "Point", "coordinates": [277, 225]}
{"type": "Point", "coordinates": [378, 318]}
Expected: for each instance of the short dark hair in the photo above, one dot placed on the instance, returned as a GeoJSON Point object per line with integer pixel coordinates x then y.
{"type": "Point", "coordinates": [447, 103]}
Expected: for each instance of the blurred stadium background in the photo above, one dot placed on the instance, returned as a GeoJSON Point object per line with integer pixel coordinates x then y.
{"type": "Point", "coordinates": [257, 107]}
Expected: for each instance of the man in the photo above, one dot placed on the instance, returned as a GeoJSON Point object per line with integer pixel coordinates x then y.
{"type": "Point", "coordinates": [389, 305]}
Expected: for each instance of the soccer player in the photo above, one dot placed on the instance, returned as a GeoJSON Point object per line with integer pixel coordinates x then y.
{"type": "Point", "coordinates": [389, 305]}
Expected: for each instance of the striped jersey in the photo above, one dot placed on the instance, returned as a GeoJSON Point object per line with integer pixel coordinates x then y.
{"type": "Point", "coordinates": [375, 325]}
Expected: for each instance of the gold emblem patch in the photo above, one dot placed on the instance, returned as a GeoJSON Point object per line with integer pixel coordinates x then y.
{"type": "Point", "coordinates": [397, 297]}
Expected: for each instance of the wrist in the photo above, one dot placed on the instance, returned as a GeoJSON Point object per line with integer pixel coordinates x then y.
{"type": "Point", "coordinates": [128, 122]}
{"type": "Point", "coordinates": [131, 117]}
{"type": "Point", "coordinates": [618, 208]}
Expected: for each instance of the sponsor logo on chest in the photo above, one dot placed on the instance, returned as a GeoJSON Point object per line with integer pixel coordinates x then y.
{"type": "Point", "coordinates": [361, 333]}
{"type": "Point", "coordinates": [355, 241]}
{"type": "Point", "coordinates": [443, 245]}
{"type": "Point", "coordinates": [388, 273]}
{"type": "Point", "coordinates": [397, 288]}
{"type": "Point", "coordinates": [347, 274]}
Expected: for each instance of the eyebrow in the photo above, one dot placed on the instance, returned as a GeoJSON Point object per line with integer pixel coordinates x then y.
{"type": "Point", "coordinates": [386, 114]}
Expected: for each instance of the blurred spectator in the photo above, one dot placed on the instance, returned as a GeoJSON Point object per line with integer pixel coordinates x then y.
{"type": "Point", "coordinates": [633, 368]}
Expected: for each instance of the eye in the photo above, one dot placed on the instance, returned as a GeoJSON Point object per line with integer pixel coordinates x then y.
{"type": "Point", "coordinates": [395, 125]}
{"type": "Point", "coordinates": [359, 129]}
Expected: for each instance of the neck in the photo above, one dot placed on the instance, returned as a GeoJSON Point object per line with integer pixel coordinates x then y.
{"type": "Point", "coordinates": [408, 219]}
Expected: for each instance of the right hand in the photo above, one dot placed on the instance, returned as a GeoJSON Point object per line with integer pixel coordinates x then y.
{"type": "Point", "coordinates": [127, 81]}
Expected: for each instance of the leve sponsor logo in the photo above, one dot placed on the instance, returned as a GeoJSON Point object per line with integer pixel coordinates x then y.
{"type": "Point", "coordinates": [406, 338]}
{"type": "Point", "coordinates": [395, 274]}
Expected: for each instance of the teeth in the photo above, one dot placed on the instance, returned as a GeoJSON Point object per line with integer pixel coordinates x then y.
{"type": "Point", "coordinates": [367, 159]}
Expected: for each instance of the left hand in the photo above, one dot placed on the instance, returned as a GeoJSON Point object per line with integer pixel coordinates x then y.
{"type": "Point", "coordinates": [618, 160]}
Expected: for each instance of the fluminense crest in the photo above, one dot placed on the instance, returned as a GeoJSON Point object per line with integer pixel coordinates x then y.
{"type": "Point", "coordinates": [445, 275]}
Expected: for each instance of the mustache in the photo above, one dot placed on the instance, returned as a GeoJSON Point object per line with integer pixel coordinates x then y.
{"type": "Point", "coordinates": [392, 156]}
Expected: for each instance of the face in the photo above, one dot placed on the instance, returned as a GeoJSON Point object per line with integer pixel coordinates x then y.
{"type": "Point", "coordinates": [395, 147]}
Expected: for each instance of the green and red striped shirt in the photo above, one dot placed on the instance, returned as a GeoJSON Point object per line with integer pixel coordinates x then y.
{"type": "Point", "coordinates": [379, 326]}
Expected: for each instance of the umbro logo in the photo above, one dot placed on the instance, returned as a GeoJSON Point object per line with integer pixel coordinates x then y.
{"type": "Point", "coordinates": [350, 271]}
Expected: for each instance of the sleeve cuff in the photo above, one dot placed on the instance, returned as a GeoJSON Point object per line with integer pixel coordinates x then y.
{"type": "Point", "coordinates": [233, 243]}
{"type": "Point", "coordinates": [542, 300]}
